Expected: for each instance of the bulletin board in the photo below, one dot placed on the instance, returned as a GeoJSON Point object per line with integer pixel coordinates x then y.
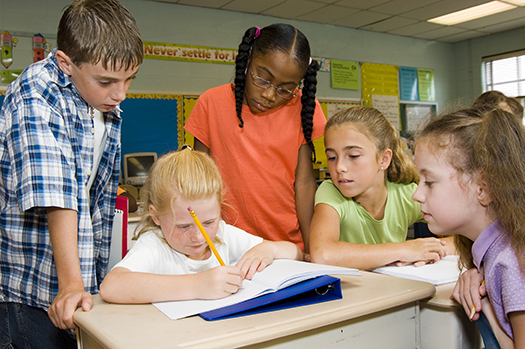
{"type": "Point", "coordinates": [151, 122]}
{"type": "Point", "coordinates": [188, 102]}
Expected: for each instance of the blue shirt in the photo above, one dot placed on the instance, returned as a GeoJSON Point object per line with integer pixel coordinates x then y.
{"type": "Point", "coordinates": [504, 278]}
{"type": "Point", "coordinates": [46, 158]}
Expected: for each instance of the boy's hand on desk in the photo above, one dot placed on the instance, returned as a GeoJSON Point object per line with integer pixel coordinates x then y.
{"type": "Point", "coordinates": [218, 282]}
{"type": "Point", "coordinates": [468, 292]}
{"type": "Point", "coordinates": [64, 305]}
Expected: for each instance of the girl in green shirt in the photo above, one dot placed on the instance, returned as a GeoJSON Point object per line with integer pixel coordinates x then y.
{"type": "Point", "coordinates": [363, 213]}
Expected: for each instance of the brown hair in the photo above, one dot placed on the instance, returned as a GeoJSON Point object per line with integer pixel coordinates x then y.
{"type": "Point", "coordinates": [488, 146]}
{"type": "Point", "coordinates": [187, 173]}
{"type": "Point", "coordinates": [493, 99]}
{"type": "Point", "coordinates": [92, 31]}
{"type": "Point", "coordinates": [373, 124]}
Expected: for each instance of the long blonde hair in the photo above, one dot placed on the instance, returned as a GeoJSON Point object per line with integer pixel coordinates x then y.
{"type": "Point", "coordinates": [187, 173]}
{"type": "Point", "coordinates": [374, 125]}
{"type": "Point", "coordinates": [487, 146]}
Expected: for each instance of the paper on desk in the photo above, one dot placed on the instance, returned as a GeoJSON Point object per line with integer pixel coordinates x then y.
{"type": "Point", "coordinates": [441, 272]}
{"type": "Point", "coordinates": [280, 274]}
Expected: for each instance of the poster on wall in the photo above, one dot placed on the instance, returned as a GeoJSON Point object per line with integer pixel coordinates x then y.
{"type": "Point", "coordinates": [389, 106]}
{"type": "Point", "coordinates": [378, 79]}
{"type": "Point", "coordinates": [408, 84]}
{"type": "Point", "coordinates": [427, 91]}
{"type": "Point", "coordinates": [344, 74]}
{"type": "Point", "coordinates": [416, 115]}
{"type": "Point", "coordinates": [380, 89]}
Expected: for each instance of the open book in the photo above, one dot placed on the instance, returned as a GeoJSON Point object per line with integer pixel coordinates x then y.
{"type": "Point", "coordinates": [441, 272]}
{"type": "Point", "coordinates": [278, 275]}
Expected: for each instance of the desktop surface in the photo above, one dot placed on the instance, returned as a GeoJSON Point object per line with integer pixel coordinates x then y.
{"type": "Point", "coordinates": [139, 326]}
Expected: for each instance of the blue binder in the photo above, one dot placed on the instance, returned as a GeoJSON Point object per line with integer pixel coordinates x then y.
{"type": "Point", "coordinates": [320, 289]}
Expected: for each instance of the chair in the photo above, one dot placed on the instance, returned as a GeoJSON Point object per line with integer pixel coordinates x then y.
{"type": "Point", "coordinates": [131, 189]}
{"type": "Point", "coordinates": [119, 235]}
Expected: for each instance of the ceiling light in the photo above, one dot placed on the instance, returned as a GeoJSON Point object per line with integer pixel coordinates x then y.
{"type": "Point", "coordinates": [515, 2]}
{"type": "Point", "coordinates": [471, 13]}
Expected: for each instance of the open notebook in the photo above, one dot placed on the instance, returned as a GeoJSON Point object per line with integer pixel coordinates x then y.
{"type": "Point", "coordinates": [278, 275]}
{"type": "Point", "coordinates": [443, 271]}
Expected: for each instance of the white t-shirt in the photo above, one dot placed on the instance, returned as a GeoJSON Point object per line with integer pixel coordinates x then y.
{"type": "Point", "coordinates": [150, 254]}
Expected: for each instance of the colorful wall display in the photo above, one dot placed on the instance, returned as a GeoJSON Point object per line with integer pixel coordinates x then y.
{"type": "Point", "coordinates": [344, 74]}
{"type": "Point", "coordinates": [427, 90]}
{"type": "Point", "coordinates": [408, 88]}
{"type": "Point", "coordinates": [380, 89]}
{"type": "Point", "coordinates": [158, 50]}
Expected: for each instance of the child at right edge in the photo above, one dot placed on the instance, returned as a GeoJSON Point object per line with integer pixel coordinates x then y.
{"type": "Point", "coordinates": [472, 179]}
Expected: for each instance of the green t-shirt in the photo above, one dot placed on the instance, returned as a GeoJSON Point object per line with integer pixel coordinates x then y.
{"type": "Point", "coordinates": [356, 224]}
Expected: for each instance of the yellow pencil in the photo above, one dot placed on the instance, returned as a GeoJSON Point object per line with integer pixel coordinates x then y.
{"type": "Point", "coordinates": [473, 310]}
{"type": "Point", "coordinates": [201, 228]}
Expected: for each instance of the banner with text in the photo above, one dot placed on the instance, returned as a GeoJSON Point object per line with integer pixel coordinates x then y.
{"type": "Point", "coordinates": [158, 50]}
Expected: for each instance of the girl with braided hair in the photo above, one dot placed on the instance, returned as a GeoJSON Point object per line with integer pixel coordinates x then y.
{"type": "Point", "coordinates": [259, 131]}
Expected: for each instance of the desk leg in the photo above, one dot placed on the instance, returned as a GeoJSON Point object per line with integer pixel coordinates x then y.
{"type": "Point", "coordinates": [85, 341]}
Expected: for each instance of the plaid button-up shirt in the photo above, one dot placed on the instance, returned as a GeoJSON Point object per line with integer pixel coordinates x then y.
{"type": "Point", "coordinates": [46, 158]}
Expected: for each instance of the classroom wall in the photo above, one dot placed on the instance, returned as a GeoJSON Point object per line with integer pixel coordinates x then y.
{"type": "Point", "coordinates": [469, 53]}
{"type": "Point", "coordinates": [172, 23]}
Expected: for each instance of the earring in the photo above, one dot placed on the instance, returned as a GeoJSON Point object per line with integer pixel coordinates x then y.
{"type": "Point", "coordinates": [381, 167]}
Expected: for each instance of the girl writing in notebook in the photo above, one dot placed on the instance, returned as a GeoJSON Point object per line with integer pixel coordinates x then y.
{"type": "Point", "coordinates": [171, 259]}
{"type": "Point", "coordinates": [260, 131]}
{"type": "Point", "coordinates": [363, 213]}
{"type": "Point", "coordinates": [472, 184]}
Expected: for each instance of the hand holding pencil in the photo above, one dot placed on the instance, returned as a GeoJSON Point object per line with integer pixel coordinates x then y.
{"type": "Point", "coordinates": [469, 290]}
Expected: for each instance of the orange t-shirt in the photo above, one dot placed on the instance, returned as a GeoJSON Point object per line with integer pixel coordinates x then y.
{"type": "Point", "coordinates": [257, 162]}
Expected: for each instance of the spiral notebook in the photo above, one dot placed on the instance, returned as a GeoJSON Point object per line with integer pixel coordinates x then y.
{"type": "Point", "coordinates": [441, 272]}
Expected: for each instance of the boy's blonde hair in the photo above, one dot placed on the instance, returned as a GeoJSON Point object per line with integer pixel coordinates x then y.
{"type": "Point", "coordinates": [375, 126]}
{"type": "Point", "coordinates": [189, 174]}
{"type": "Point", "coordinates": [92, 31]}
{"type": "Point", "coordinates": [488, 147]}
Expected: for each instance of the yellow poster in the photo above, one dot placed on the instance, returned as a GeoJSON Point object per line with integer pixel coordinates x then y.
{"type": "Point", "coordinates": [380, 89]}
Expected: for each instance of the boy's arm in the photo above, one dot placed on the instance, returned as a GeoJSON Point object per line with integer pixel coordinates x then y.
{"type": "Point", "coordinates": [63, 231]}
{"type": "Point", "coordinates": [305, 187]}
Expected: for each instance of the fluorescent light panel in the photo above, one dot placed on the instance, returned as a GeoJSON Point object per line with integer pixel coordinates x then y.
{"type": "Point", "coordinates": [515, 2]}
{"type": "Point", "coordinates": [471, 13]}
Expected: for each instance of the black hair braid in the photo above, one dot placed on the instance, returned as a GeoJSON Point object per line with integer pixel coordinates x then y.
{"type": "Point", "coordinates": [308, 102]}
{"type": "Point", "coordinates": [241, 63]}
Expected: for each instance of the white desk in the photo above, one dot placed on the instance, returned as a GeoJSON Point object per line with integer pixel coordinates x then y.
{"type": "Point", "coordinates": [444, 323]}
{"type": "Point", "coordinates": [377, 311]}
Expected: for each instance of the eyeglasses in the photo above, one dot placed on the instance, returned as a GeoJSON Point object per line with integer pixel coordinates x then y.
{"type": "Point", "coordinates": [265, 84]}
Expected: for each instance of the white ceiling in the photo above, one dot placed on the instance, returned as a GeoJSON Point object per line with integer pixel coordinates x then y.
{"type": "Point", "coordinates": [399, 17]}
